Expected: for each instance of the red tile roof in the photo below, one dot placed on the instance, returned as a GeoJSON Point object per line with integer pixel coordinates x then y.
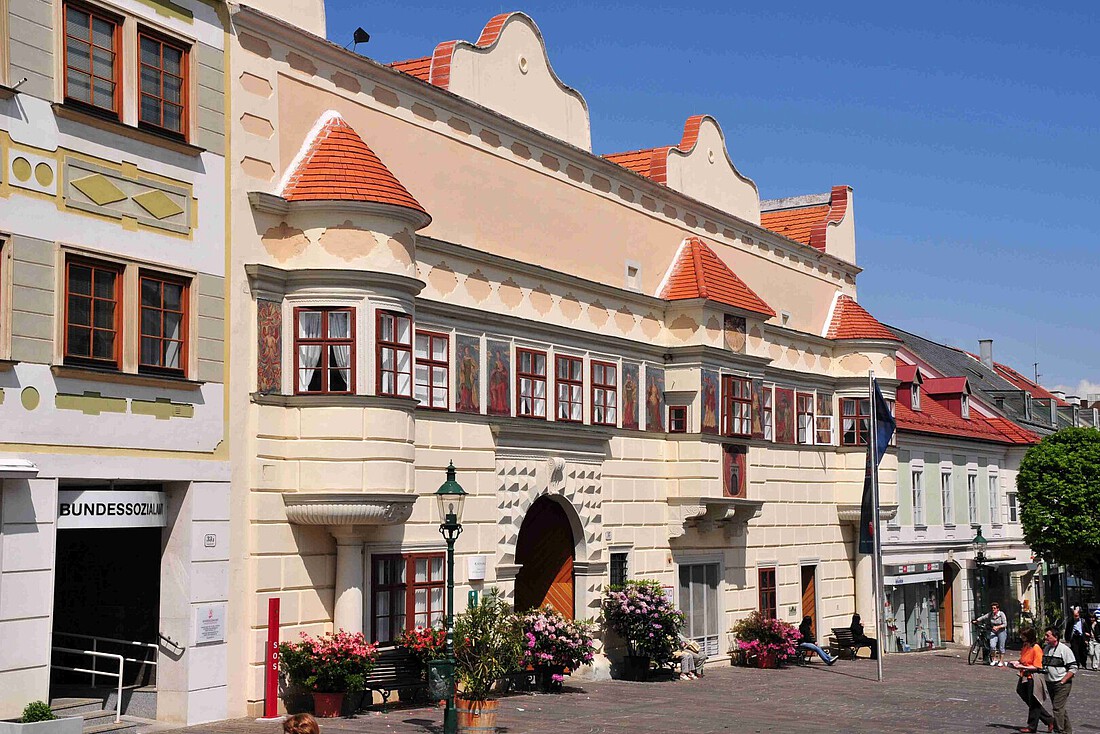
{"type": "Point", "coordinates": [436, 69]}
{"type": "Point", "coordinates": [795, 224]}
{"type": "Point", "coordinates": [1013, 431]}
{"type": "Point", "coordinates": [653, 162]}
{"type": "Point", "coordinates": [851, 321]}
{"type": "Point", "coordinates": [698, 272]}
{"type": "Point", "coordinates": [935, 418]}
{"type": "Point", "coordinates": [946, 385]}
{"type": "Point", "coordinates": [907, 372]}
{"type": "Point", "coordinates": [339, 166]}
{"type": "Point", "coordinates": [420, 68]}
{"type": "Point", "coordinates": [1017, 379]}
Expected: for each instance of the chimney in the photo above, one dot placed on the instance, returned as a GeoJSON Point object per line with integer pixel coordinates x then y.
{"type": "Point", "coordinates": [1059, 394]}
{"type": "Point", "coordinates": [985, 349]}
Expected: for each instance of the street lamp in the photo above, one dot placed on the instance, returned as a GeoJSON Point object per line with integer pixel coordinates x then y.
{"type": "Point", "coordinates": [978, 544]}
{"type": "Point", "coordinates": [451, 497]}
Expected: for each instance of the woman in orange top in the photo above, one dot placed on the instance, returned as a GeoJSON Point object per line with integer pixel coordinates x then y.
{"type": "Point", "coordinates": [1031, 662]}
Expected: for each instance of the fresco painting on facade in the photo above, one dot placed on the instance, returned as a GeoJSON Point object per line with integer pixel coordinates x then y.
{"type": "Point", "coordinates": [784, 415]}
{"type": "Point", "coordinates": [733, 328]}
{"type": "Point", "coordinates": [269, 346]}
{"type": "Point", "coordinates": [468, 362]}
{"type": "Point", "coordinates": [733, 470]}
{"type": "Point", "coordinates": [654, 398]}
{"type": "Point", "coordinates": [500, 380]}
{"type": "Point", "coordinates": [630, 395]}
{"type": "Point", "coordinates": [709, 382]}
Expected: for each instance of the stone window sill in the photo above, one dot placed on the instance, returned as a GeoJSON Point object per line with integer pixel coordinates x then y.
{"type": "Point", "coordinates": [71, 112]}
{"type": "Point", "coordinates": [124, 378]}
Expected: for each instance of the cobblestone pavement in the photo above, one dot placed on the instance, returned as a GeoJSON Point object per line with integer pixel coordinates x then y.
{"type": "Point", "coordinates": [926, 692]}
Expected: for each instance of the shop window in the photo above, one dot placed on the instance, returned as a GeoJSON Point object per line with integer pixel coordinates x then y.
{"type": "Point", "coordinates": [769, 414]}
{"type": "Point", "coordinates": [568, 383]}
{"type": "Point", "coordinates": [394, 354]}
{"type": "Point", "coordinates": [432, 375]}
{"type": "Point", "coordinates": [93, 313]}
{"type": "Point", "coordinates": [766, 586]}
{"type": "Point", "coordinates": [92, 58]}
{"type": "Point", "coordinates": [605, 393]}
{"type": "Point", "coordinates": [918, 497]}
{"type": "Point", "coordinates": [804, 409]}
{"type": "Point", "coordinates": [947, 498]}
{"type": "Point", "coordinates": [164, 323]}
{"type": "Point", "coordinates": [972, 497]}
{"type": "Point", "coordinates": [699, 603]}
{"type": "Point", "coordinates": [619, 567]}
{"type": "Point", "coordinates": [163, 75]}
{"type": "Point", "coordinates": [531, 383]}
{"type": "Point", "coordinates": [677, 419]}
{"type": "Point", "coordinates": [855, 417]}
{"type": "Point", "coordinates": [736, 406]}
{"type": "Point", "coordinates": [733, 470]}
{"type": "Point", "coordinates": [824, 420]}
{"type": "Point", "coordinates": [324, 350]}
{"type": "Point", "coordinates": [406, 592]}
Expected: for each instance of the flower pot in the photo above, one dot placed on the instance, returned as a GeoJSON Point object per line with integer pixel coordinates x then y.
{"type": "Point", "coordinates": [64, 725]}
{"type": "Point", "coordinates": [769, 660]}
{"type": "Point", "coordinates": [477, 716]}
{"type": "Point", "coordinates": [327, 705]}
{"type": "Point", "coordinates": [545, 676]}
{"type": "Point", "coordinates": [635, 667]}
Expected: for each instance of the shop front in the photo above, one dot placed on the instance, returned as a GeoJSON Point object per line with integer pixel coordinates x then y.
{"type": "Point", "coordinates": [914, 597]}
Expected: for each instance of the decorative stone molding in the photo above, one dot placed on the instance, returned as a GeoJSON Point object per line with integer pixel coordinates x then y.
{"type": "Point", "coordinates": [17, 469]}
{"type": "Point", "coordinates": [338, 509]}
{"type": "Point", "coordinates": [710, 513]}
{"type": "Point", "coordinates": [271, 283]}
{"type": "Point", "coordinates": [850, 513]}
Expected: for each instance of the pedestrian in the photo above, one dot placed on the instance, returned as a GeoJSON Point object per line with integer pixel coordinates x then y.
{"type": "Point", "coordinates": [692, 658]}
{"type": "Point", "coordinates": [1093, 662]}
{"type": "Point", "coordinates": [1075, 635]}
{"type": "Point", "coordinates": [998, 633]}
{"type": "Point", "coordinates": [1059, 665]}
{"type": "Point", "coordinates": [809, 641]}
{"type": "Point", "coordinates": [1030, 686]}
{"type": "Point", "coordinates": [861, 639]}
{"type": "Point", "coordinates": [301, 724]}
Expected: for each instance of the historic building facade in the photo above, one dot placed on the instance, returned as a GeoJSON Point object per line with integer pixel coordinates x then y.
{"type": "Point", "coordinates": [113, 465]}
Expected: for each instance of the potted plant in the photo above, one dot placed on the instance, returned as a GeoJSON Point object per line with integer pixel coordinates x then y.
{"type": "Point", "coordinates": [424, 644]}
{"type": "Point", "coordinates": [553, 644]}
{"type": "Point", "coordinates": [328, 666]}
{"type": "Point", "coordinates": [769, 641]}
{"type": "Point", "coordinates": [643, 616]}
{"type": "Point", "coordinates": [38, 718]}
{"type": "Point", "coordinates": [488, 647]}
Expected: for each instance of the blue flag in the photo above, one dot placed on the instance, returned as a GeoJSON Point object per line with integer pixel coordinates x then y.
{"type": "Point", "coordinates": [883, 424]}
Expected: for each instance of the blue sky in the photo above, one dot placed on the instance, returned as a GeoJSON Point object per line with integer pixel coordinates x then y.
{"type": "Point", "coordinates": [969, 130]}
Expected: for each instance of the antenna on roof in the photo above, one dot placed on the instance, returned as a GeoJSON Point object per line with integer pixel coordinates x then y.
{"type": "Point", "coordinates": [1037, 375]}
{"type": "Point", "coordinates": [359, 36]}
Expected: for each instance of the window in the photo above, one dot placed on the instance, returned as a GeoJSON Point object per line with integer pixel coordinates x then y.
{"type": "Point", "coordinates": [92, 45]}
{"type": "Point", "coordinates": [766, 585]}
{"type": "Point", "coordinates": [994, 501]}
{"type": "Point", "coordinates": [918, 497]}
{"type": "Point", "coordinates": [824, 419]}
{"type": "Point", "coordinates": [737, 406]}
{"type": "Point", "coordinates": [804, 409]}
{"type": "Point", "coordinates": [394, 354]}
{"type": "Point", "coordinates": [605, 393]}
{"type": "Point", "coordinates": [699, 603]}
{"type": "Point", "coordinates": [972, 497]}
{"type": "Point", "coordinates": [531, 383]}
{"type": "Point", "coordinates": [406, 592]}
{"type": "Point", "coordinates": [618, 566]}
{"type": "Point", "coordinates": [568, 376]}
{"type": "Point", "coordinates": [914, 396]}
{"type": "Point", "coordinates": [324, 350]}
{"type": "Point", "coordinates": [432, 374]}
{"type": "Point", "coordinates": [163, 83]}
{"type": "Point", "coordinates": [93, 313]}
{"type": "Point", "coordinates": [769, 414]}
{"type": "Point", "coordinates": [163, 323]}
{"type": "Point", "coordinates": [1013, 509]}
{"type": "Point", "coordinates": [964, 406]}
{"type": "Point", "coordinates": [677, 419]}
{"type": "Point", "coordinates": [855, 415]}
{"type": "Point", "coordinates": [947, 499]}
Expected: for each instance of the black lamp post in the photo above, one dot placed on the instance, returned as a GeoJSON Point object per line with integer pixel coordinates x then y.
{"type": "Point", "coordinates": [978, 544]}
{"type": "Point", "coordinates": [451, 498]}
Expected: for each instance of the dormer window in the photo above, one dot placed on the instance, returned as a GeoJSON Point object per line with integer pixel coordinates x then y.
{"type": "Point", "coordinates": [914, 399]}
{"type": "Point", "coordinates": [964, 406]}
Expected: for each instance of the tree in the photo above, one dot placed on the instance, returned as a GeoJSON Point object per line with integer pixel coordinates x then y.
{"type": "Point", "coordinates": [1059, 493]}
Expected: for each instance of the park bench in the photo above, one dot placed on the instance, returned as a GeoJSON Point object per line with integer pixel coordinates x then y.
{"type": "Point", "coordinates": [395, 670]}
{"type": "Point", "coordinates": [842, 644]}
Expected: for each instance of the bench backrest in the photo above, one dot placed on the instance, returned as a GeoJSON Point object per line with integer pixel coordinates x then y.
{"type": "Point", "coordinates": [843, 635]}
{"type": "Point", "coordinates": [395, 663]}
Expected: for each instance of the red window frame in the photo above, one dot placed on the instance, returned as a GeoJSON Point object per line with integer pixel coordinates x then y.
{"type": "Point", "coordinates": [677, 419]}
{"type": "Point", "coordinates": [736, 406]}
{"type": "Point", "coordinates": [324, 341]}
{"type": "Point", "coordinates": [570, 401]}
{"type": "Point", "coordinates": [804, 408]}
{"type": "Point", "coordinates": [605, 394]}
{"type": "Point", "coordinates": [437, 398]}
{"type": "Point", "coordinates": [95, 266]}
{"type": "Point", "coordinates": [402, 594]}
{"type": "Point", "coordinates": [162, 41]}
{"type": "Point", "coordinates": [397, 348]}
{"type": "Point", "coordinates": [526, 380]}
{"type": "Point", "coordinates": [860, 417]}
{"type": "Point", "coordinates": [765, 578]}
{"type": "Point", "coordinates": [115, 78]}
{"type": "Point", "coordinates": [184, 315]}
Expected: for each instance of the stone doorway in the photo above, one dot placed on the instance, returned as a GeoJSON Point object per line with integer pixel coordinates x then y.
{"type": "Point", "coordinates": [545, 553]}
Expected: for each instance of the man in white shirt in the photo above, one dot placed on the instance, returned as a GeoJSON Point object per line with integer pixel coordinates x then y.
{"type": "Point", "coordinates": [1059, 665]}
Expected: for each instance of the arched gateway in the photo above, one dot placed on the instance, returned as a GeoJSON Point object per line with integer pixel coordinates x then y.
{"type": "Point", "coordinates": [545, 553]}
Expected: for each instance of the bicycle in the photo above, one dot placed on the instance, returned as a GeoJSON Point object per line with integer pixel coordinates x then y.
{"type": "Point", "coordinates": [980, 646]}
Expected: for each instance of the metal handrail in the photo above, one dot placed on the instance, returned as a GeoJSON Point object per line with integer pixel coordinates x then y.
{"type": "Point", "coordinates": [95, 648]}
{"type": "Point", "coordinates": [94, 654]}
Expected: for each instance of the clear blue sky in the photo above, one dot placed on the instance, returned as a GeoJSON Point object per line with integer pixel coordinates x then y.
{"type": "Point", "coordinates": [969, 130]}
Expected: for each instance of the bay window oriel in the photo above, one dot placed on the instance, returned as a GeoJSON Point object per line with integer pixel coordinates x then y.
{"type": "Point", "coordinates": [432, 370]}
{"type": "Point", "coordinates": [530, 383]}
{"type": "Point", "coordinates": [605, 393]}
{"type": "Point", "coordinates": [855, 417]}
{"type": "Point", "coordinates": [568, 378]}
{"type": "Point", "coordinates": [736, 406]}
{"type": "Point", "coordinates": [324, 350]}
{"type": "Point", "coordinates": [394, 340]}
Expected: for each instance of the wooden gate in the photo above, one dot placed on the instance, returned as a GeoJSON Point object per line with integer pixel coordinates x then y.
{"type": "Point", "coordinates": [544, 551]}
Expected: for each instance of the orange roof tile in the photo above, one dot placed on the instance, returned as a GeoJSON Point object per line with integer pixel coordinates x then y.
{"type": "Point", "coordinates": [339, 166]}
{"type": "Point", "coordinates": [698, 272]}
{"type": "Point", "coordinates": [436, 69]}
{"type": "Point", "coordinates": [1036, 390]}
{"type": "Point", "coordinates": [653, 162]}
{"type": "Point", "coordinates": [934, 417]}
{"type": "Point", "coordinates": [795, 224]}
{"type": "Point", "coordinates": [420, 68]}
{"type": "Point", "coordinates": [1013, 431]}
{"type": "Point", "coordinates": [851, 321]}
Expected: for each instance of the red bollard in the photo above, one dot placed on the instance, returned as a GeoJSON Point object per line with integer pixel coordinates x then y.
{"type": "Point", "coordinates": [271, 661]}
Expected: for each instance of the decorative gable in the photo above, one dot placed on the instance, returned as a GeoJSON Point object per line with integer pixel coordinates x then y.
{"type": "Point", "coordinates": [825, 222]}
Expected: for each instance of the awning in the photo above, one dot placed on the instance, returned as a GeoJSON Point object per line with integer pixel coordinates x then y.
{"type": "Point", "coordinates": [1011, 564]}
{"type": "Point", "coordinates": [912, 578]}
{"type": "Point", "coordinates": [17, 469]}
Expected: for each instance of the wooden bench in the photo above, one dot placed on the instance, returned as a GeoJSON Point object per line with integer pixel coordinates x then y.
{"type": "Point", "coordinates": [395, 670]}
{"type": "Point", "coordinates": [843, 645]}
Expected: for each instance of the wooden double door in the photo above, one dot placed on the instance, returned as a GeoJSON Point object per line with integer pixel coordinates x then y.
{"type": "Point", "coordinates": [544, 551]}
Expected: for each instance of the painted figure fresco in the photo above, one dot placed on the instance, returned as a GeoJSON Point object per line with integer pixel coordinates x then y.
{"type": "Point", "coordinates": [500, 378]}
{"type": "Point", "coordinates": [758, 408]}
{"type": "Point", "coordinates": [269, 323]}
{"type": "Point", "coordinates": [733, 328]}
{"type": "Point", "coordinates": [709, 389]}
{"type": "Point", "coordinates": [654, 399]}
{"type": "Point", "coordinates": [733, 471]}
{"type": "Point", "coordinates": [468, 363]}
{"type": "Point", "coordinates": [630, 395]}
{"type": "Point", "coordinates": [784, 415]}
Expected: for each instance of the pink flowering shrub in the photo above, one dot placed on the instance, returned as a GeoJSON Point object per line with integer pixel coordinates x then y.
{"type": "Point", "coordinates": [332, 663]}
{"type": "Point", "coordinates": [425, 643]}
{"type": "Point", "coordinates": [759, 636]}
{"type": "Point", "coordinates": [644, 618]}
{"type": "Point", "coordinates": [549, 639]}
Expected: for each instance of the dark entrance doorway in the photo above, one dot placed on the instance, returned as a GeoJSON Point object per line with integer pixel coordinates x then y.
{"type": "Point", "coordinates": [544, 551]}
{"type": "Point", "coordinates": [947, 605]}
{"type": "Point", "coordinates": [809, 596]}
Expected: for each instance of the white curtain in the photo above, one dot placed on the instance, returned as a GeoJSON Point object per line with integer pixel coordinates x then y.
{"type": "Point", "coordinates": [172, 323]}
{"type": "Point", "coordinates": [309, 355]}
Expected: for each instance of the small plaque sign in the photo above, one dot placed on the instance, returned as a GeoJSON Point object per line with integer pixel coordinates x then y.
{"type": "Point", "coordinates": [475, 567]}
{"type": "Point", "coordinates": [209, 623]}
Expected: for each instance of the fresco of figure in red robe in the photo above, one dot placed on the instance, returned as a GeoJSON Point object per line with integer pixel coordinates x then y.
{"type": "Point", "coordinates": [733, 471]}
{"type": "Point", "coordinates": [468, 358]}
{"type": "Point", "coordinates": [654, 399]}
{"type": "Point", "coordinates": [500, 383]}
{"type": "Point", "coordinates": [630, 396]}
{"type": "Point", "coordinates": [269, 321]}
{"type": "Point", "coordinates": [710, 401]}
{"type": "Point", "coordinates": [784, 415]}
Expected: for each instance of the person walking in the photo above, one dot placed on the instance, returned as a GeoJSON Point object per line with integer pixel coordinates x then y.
{"type": "Point", "coordinates": [1075, 635]}
{"type": "Point", "coordinates": [1093, 662]}
{"type": "Point", "coordinates": [809, 641]}
{"type": "Point", "coordinates": [1030, 686]}
{"type": "Point", "coordinates": [998, 633]}
{"type": "Point", "coordinates": [1059, 665]}
{"type": "Point", "coordinates": [860, 638]}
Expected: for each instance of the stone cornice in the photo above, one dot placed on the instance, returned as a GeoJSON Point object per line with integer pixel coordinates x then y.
{"type": "Point", "coordinates": [525, 437]}
{"type": "Point", "coordinates": [272, 283]}
{"type": "Point", "coordinates": [850, 513]}
{"type": "Point", "coordinates": [709, 513]}
{"type": "Point", "coordinates": [277, 205]}
{"type": "Point", "coordinates": [334, 401]}
{"type": "Point", "coordinates": [336, 509]}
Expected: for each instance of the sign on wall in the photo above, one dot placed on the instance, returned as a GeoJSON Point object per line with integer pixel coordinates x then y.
{"type": "Point", "coordinates": [81, 508]}
{"type": "Point", "coordinates": [475, 568]}
{"type": "Point", "coordinates": [209, 623]}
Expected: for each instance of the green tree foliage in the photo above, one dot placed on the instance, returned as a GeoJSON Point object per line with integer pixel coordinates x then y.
{"type": "Point", "coordinates": [1059, 494]}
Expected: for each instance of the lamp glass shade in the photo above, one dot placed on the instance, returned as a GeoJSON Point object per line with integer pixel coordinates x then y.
{"type": "Point", "coordinates": [451, 498]}
{"type": "Point", "coordinates": [979, 543]}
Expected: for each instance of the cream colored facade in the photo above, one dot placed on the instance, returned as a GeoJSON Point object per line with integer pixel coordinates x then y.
{"type": "Point", "coordinates": [533, 243]}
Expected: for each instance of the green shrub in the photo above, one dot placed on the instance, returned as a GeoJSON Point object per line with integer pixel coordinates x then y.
{"type": "Point", "coordinates": [488, 646]}
{"type": "Point", "coordinates": [37, 711]}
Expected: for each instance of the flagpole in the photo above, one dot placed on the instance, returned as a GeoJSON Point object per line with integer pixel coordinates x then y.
{"type": "Point", "coordinates": [876, 569]}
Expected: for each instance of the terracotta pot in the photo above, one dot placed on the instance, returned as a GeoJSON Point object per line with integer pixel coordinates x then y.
{"type": "Point", "coordinates": [767, 660]}
{"type": "Point", "coordinates": [477, 716]}
{"type": "Point", "coordinates": [327, 705]}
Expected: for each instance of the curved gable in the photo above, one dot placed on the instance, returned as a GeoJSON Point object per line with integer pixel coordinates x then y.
{"type": "Point", "coordinates": [836, 233]}
{"type": "Point", "coordinates": [700, 166]}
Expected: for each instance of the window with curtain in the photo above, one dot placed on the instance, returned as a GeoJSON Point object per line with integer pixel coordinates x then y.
{"type": "Point", "coordinates": [163, 323]}
{"type": "Point", "coordinates": [163, 83]}
{"type": "Point", "coordinates": [92, 63]}
{"type": "Point", "coordinates": [605, 393]}
{"type": "Point", "coordinates": [394, 354]}
{"type": "Point", "coordinates": [824, 421]}
{"type": "Point", "coordinates": [530, 383]}
{"type": "Point", "coordinates": [93, 313]}
{"type": "Point", "coordinates": [737, 406]}
{"type": "Point", "coordinates": [804, 410]}
{"type": "Point", "coordinates": [855, 418]}
{"type": "Point", "coordinates": [406, 592]}
{"type": "Point", "coordinates": [324, 349]}
{"type": "Point", "coordinates": [432, 370]}
{"type": "Point", "coordinates": [568, 383]}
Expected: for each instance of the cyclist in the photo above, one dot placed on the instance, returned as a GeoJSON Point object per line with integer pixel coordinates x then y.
{"type": "Point", "coordinates": [998, 633]}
